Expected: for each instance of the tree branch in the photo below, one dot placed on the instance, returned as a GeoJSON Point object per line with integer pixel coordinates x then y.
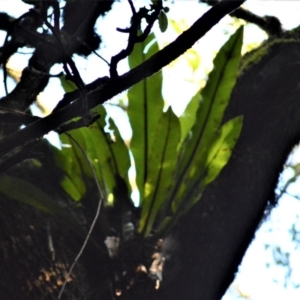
{"type": "Point", "coordinates": [270, 24]}
{"type": "Point", "coordinates": [6, 22]}
{"type": "Point", "coordinates": [37, 129]}
{"type": "Point", "coordinates": [79, 22]}
{"type": "Point", "coordinates": [215, 235]}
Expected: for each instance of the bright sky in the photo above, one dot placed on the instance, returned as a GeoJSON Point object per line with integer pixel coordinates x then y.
{"type": "Point", "coordinates": [255, 279]}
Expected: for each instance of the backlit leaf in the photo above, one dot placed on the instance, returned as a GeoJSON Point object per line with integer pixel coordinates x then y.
{"type": "Point", "coordinates": [145, 107]}
{"type": "Point", "coordinates": [220, 151]}
{"type": "Point", "coordinates": [162, 163]}
{"type": "Point", "coordinates": [193, 166]}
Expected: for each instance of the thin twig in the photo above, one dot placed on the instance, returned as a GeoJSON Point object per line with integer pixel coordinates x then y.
{"type": "Point", "coordinates": [115, 86]}
{"type": "Point", "coordinates": [67, 62]}
{"type": "Point", "coordinates": [132, 7]}
{"type": "Point", "coordinates": [8, 34]}
{"type": "Point", "coordinates": [270, 24]}
{"type": "Point", "coordinates": [94, 220]}
{"type": "Point", "coordinates": [56, 14]}
{"type": "Point", "coordinates": [150, 15]}
{"type": "Point", "coordinates": [87, 46]}
{"type": "Point", "coordinates": [50, 242]}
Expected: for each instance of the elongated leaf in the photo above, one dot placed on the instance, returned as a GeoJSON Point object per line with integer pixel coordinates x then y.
{"type": "Point", "coordinates": [162, 163]}
{"type": "Point", "coordinates": [220, 151]}
{"type": "Point", "coordinates": [163, 21]}
{"type": "Point", "coordinates": [145, 106]}
{"type": "Point", "coordinates": [112, 156]}
{"type": "Point", "coordinates": [222, 79]}
{"type": "Point", "coordinates": [30, 194]}
{"type": "Point", "coordinates": [67, 85]}
{"type": "Point", "coordinates": [67, 158]}
{"type": "Point", "coordinates": [109, 157]}
{"type": "Point", "coordinates": [120, 153]}
{"type": "Point", "coordinates": [219, 155]}
{"type": "Point", "coordinates": [68, 161]}
{"type": "Point", "coordinates": [215, 98]}
{"type": "Point", "coordinates": [188, 118]}
{"type": "Point", "coordinates": [70, 187]}
{"type": "Point", "coordinates": [197, 166]}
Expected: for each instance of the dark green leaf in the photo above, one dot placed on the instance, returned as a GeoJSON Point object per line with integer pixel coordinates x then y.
{"type": "Point", "coordinates": [67, 85]}
{"type": "Point", "coordinates": [162, 163]}
{"type": "Point", "coordinates": [109, 158]}
{"type": "Point", "coordinates": [163, 21]}
{"type": "Point", "coordinates": [30, 194]}
{"type": "Point", "coordinates": [220, 151]}
{"type": "Point", "coordinates": [215, 98]}
{"type": "Point", "coordinates": [193, 166]}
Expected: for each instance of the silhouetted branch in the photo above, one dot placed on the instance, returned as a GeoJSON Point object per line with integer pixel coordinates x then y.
{"type": "Point", "coordinates": [150, 15]}
{"type": "Point", "coordinates": [115, 86]}
{"type": "Point", "coordinates": [270, 24]}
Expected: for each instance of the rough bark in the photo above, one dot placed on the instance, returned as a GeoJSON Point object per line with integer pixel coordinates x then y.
{"type": "Point", "coordinates": [28, 268]}
{"type": "Point", "coordinates": [216, 234]}
{"type": "Point", "coordinates": [214, 237]}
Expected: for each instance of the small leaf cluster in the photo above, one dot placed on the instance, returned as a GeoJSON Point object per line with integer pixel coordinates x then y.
{"type": "Point", "coordinates": [175, 158]}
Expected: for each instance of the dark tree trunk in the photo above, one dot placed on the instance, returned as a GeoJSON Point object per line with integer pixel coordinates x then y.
{"type": "Point", "coordinates": [30, 270]}
{"type": "Point", "coordinates": [216, 234]}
